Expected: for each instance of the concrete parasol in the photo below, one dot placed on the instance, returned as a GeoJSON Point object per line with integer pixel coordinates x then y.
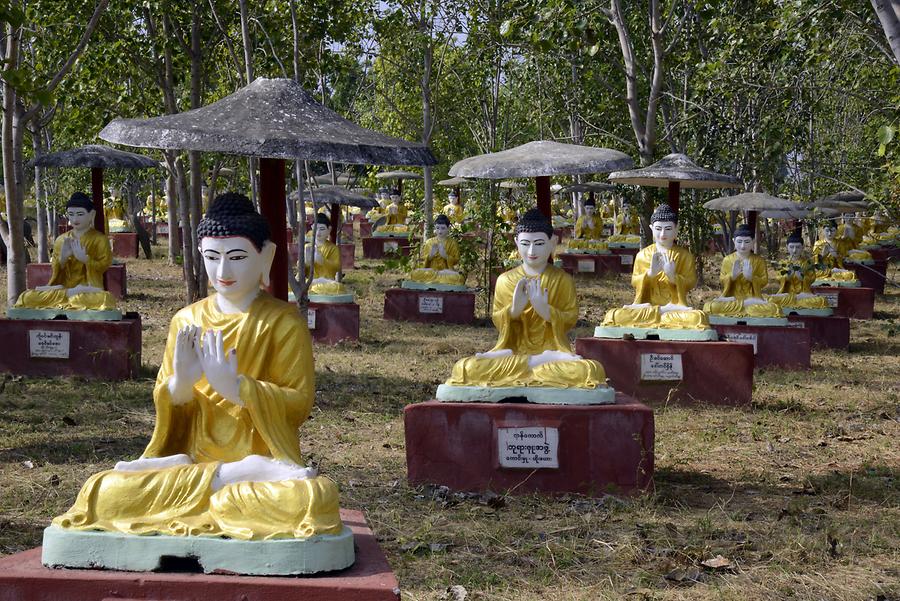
{"type": "Point", "coordinates": [753, 203]}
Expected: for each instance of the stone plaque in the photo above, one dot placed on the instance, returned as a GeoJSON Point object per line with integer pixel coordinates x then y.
{"type": "Point", "coordinates": [48, 344]}
{"type": "Point", "coordinates": [627, 259]}
{"type": "Point", "coordinates": [311, 319]}
{"type": "Point", "coordinates": [795, 324]}
{"type": "Point", "coordinates": [586, 266]}
{"type": "Point", "coordinates": [661, 367]}
{"type": "Point", "coordinates": [745, 337]}
{"type": "Point", "coordinates": [391, 246]}
{"type": "Point", "coordinates": [162, 229]}
{"type": "Point", "coordinates": [528, 448]}
{"type": "Point", "coordinates": [431, 304]}
{"type": "Point", "coordinates": [831, 298]}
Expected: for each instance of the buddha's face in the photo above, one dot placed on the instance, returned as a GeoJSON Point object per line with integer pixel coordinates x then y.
{"type": "Point", "coordinates": [589, 210]}
{"type": "Point", "coordinates": [441, 230]}
{"type": "Point", "coordinates": [743, 245]}
{"type": "Point", "coordinates": [795, 249]}
{"type": "Point", "coordinates": [828, 232]}
{"type": "Point", "coordinates": [80, 219]}
{"type": "Point", "coordinates": [395, 198]}
{"type": "Point", "coordinates": [535, 249]}
{"type": "Point", "coordinates": [234, 266]}
{"type": "Point", "coordinates": [321, 233]}
{"type": "Point", "coordinates": [454, 200]}
{"type": "Point", "coordinates": [626, 211]}
{"type": "Point", "coordinates": [664, 233]}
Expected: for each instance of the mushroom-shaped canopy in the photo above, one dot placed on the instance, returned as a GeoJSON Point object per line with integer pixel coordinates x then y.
{"type": "Point", "coordinates": [846, 196]}
{"type": "Point", "coordinates": [511, 185]}
{"type": "Point", "coordinates": [837, 206]}
{"type": "Point", "coordinates": [338, 196]}
{"type": "Point", "coordinates": [95, 156]}
{"type": "Point", "coordinates": [270, 118]}
{"type": "Point", "coordinates": [751, 201]}
{"type": "Point", "coordinates": [398, 175]}
{"type": "Point", "coordinates": [343, 179]}
{"type": "Point", "coordinates": [542, 158]}
{"type": "Point", "coordinates": [588, 187]}
{"type": "Point", "coordinates": [454, 181]}
{"type": "Point", "coordinates": [799, 213]}
{"type": "Point", "coordinates": [675, 167]}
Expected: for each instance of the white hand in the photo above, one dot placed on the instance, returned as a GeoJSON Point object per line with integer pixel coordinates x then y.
{"type": "Point", "coordinates": [520, 299]}
{"type": "Point", "coordinates": [186, 365]}
{"type": "Point", "coordinates": [220, 367]}
{"type": "Point", "coordinates": [434, 251]}
{"type": "Point", "coordinates": [748, 271]}
{"type": "Point", "coordinates": [393, 210]}
{"type": "Point", "coordinates": [65, 250]}
{"type": "Point", "coordinates": [735, 270]}
{"type": "Point", "coordinates": [655, 264]}
{"type": "Point", "coordinates": [669, 269]}
{"type": "Point", "coordinates": [442, 250]}
{"type": "Point", "coordinates": [78, 250]}
{"type": "Point", "coordinates": [539, 298]}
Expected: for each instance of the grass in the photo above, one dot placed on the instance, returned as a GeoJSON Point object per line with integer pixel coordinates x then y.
{"type": "Point", "coordinates": [800, 492]}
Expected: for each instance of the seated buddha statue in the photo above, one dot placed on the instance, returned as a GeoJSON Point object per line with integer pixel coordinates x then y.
{"type": "Point", "coordinates": [828, 253]}
{"type": "Point", "coordinates": [80, 258]}
{"type": "Point", "coordinates": [743, 276]}
{"type": "Point", "coordinates": [235, 384]}
{"type": "Point", "coordinates": [850, 236]}
{"type": "Point", "coordinates": [534, 307]}
{"type": "Point", "coordinates": [396, 211]}
{"type": "Point", "coordinates": [589, 226]}
{"type": "Point", "coordinates": [796, 275]}
{"type": "Point", "coordinates": [324, 257]}
{"type": "Point", "coordinates": [626, 226]}
{"type": "Point", "coordinates": [662, 276]}
{"type": "Point", "coordinates": [439, 255]}
{"type": "Point", "coordinates": [453, 209]}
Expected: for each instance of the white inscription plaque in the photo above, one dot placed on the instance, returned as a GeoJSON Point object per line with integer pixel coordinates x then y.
{"type": "Point", "coordinates": [661, 367]}
{"type": "Point", "coordinates": [391, 246]}
{"type": "Point", "coordinates": [831, 298]}
{"type": "Point", "coordinates": [311, 319]}
{"type": "Point", "coordinates": [744, 337]}
{"type": "Point", "coordinates": [528, 448]}
{"type": "Point", "coordinates": [627, 259]}
{"type": "Point", "coordinates": [586, 266]}
{"type": "Point", "coordinates": [48, 344]}
{"type": "Point", "coordinates": [431, 304]}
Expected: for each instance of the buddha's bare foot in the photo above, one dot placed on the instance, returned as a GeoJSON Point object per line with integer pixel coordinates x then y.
{"type": "Point", "coordinates": [256, 468]}
{"type": "Point", "coordinates": [153, 463]}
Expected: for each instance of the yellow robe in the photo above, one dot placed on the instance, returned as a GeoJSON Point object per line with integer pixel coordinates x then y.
{"type": "Point", "coordinates": [741, 289]}
{"type": "Point", "coordinates": [277, 388]}
{"type": "Point", "coordinates": [657, 290]}
{"type": "Point", "coordinates": [328, 269]}
{"type": "Point", "coordinates": [73, 273]}
{"type": "Point", "coordinates": [432, 265]}
{"type": "Point", "coordinates": [528, 334]}
{"type": "Point", "coordinates": [594, 232]}
{"type": "Point", "coordinates": [791, 284]}
{"type": "Point", "coordinates": [631, 226]}
{"type": "Point", "coordinates": [454, 213]}
{"type": "Point", "coordinates": [396, 218]}
{"type": "Point", "coordinates": [823, 256]}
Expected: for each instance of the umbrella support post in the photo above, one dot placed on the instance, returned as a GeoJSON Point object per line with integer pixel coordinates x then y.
{"type": "Point", "coordinates": [272, 207]}
{"type": "Point", "coordinates": [97, 197]}
{"type": "Point", "coordinates": [674, 195]}
{"type": "Point", "coordinates": [542, 188]}
{"type": "Point", "coordinates": [335, 222]}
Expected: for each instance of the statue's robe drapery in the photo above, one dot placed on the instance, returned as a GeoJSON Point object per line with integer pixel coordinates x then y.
{"type": "Point", "coordinates": [741, 288]}
{"type": "Point", "coordinates": [433, 266]}
{"type": "Point", "coordinates": [589, 231]}
{"type": "Point", "coordinates": [795, 289]}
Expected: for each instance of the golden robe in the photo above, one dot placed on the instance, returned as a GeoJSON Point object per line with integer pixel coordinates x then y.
{"type": "Point", "coordinates": [277, 388]}
{"type": "Point", "coordinates": [791, 284]}
{"type": "Point", "coordinates": [396, 218]}
{"type": "Point", "coordinates": [528, 334]}
{"type": "Point", "coordinates": [594, 231]}
{"type": "Point", "coordinates": [631, 226]}
{"type": "Point", "coordinates": [331, 261]}
{"type": "Point", "coordinates": [741, 289]}
{"type": "Point", "coordinates": [455, 213]}
{"type": "Point", "coordinates": [437, 261]}
{"type": "Point", "coordinates": [823, 256]}
{"type": "Point", "coordinates": [72, 273]}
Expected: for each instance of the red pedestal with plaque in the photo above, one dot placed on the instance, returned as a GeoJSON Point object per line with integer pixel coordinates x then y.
{"type": "Point", "coordinates": [857, 303]}
{"type": "Point", "coordinates": [563, 232]}
{"type": "Point", "coordinates": [597, 449]}
{"type": "Point", "coordinates": [782, 347]}
{"type": "Point", "coordinates": [429, 306]}
{"type": "Point", "coordinates": [333, 322]}
{"type": "Point", "coordinates": [365, 229]}
{"type": "Point", "coordinates": [347, 232]}
{"type": "Point", "coordinates": [376, 247]}
{"type": "Point", "coordinates": [103, 350]}
{"type": "Point", "coordinates": [718, 373]}
{"type": "Point", "coordinates": [590, 265]}
{"type": "Point", "coordinates": [124, 245]}
{"type": "Point", "coordinates": [626, 258]}
{"type": "Point", "coordinates": [826, 332]}
{"type": "Point", "coordinates": [114, 280]}
{"type": "Point", "coordinates": [871, 276]}
{"type": "Point", "coordinates": [23, 578]}
{"type": "Point", "coordinates": [348, 256]}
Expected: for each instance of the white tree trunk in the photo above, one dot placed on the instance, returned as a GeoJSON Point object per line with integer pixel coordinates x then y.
{"type": "Point", "coordinates": [888, 12]}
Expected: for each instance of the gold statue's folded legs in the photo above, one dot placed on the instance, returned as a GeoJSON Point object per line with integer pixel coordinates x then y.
{"type": "Point", "coordinates": [512, 370]}
{"type": "Point", "coordinates": [791, 301]}
{"type": "Point", "coordinates": [732, 308]}
{"type": "Point", "coordinates": [43, 299]}
{"type": "Point", "coordinates": [690, 320]}
{"type": "Point", "coordinates": [633, 317]}
{"type": "Point", "coordinates": [763, 310]}
{"type": "Point", "coordinates": [423, 274]}
{"type": "Point", "coordinates": [96, 301]}
{"type": "Point", "coordinates": [584, 373]}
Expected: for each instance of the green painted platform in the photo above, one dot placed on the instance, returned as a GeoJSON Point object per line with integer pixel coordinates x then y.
{"type": "Point", "coordinates": [721, 320]}
{"type": "Point", "coordinates": [49, 314]}
{"type": "Point", "coordinates": [836, 283]}
{"type": "Point", "coordinates": [412, 285]}
{"type": "Point", "coordinates": [602, 395]}
{"type": "Point", "coordinates": [331, 298]}
{"type": "Point", "coordinates": [661, 333]}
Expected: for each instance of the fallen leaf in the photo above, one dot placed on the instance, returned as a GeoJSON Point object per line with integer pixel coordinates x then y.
{"type": "Point", "coordinates": [690, 574]}
{"type": "Point", "coordinates": [454, 593]}
{"type": "Point", "coordinates": [717, 563]}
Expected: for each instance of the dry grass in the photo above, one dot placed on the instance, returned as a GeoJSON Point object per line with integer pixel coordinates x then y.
{"type": "Point", "coordinates": [800, 492]}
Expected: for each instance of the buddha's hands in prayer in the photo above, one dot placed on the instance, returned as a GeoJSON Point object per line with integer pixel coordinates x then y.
{"type": "Point", "coordinates": [185, 364]}
{"type": "Point", "coordinates": [520, 299]}
{"type": "Point", "coordinates": [735, 270]}
{"type": "Point", "coordinates": [392, 209]}
{"type": "Point", "coordinates": [78, 250]}
{"type": "Point", "coordinates": [656, 263]}
{"type": "Point", "coordinates": [747, 269]}
{"type": "Point", "coordinates": [539, 298]}
{"type": "Point", "coordinates": [442, 250]}
{"type": "Point", "coordinates": [65, 251]}
{"type": "Point", "coordinates": [668, 268]}
{"type": "Point", "coordinates": [220, 367]}
{"type": "Point", "coordinates": [434, 251]}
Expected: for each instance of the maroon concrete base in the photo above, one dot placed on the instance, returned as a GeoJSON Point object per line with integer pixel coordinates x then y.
{"type": "Point", "coordinates": [858, 303]}
{"type": "Point", "coordinates": [377, 247]}
{"type": "Point", "coordinates": [104, 350]}
{"type": "Point", "coordinates": [602, 448]}
{"type": "Point", "coordinates": [719, 373]}
{"type": "Point", "coordinates": [590, 265]}
{"type": "Point", "coordinates": [774, 346]}
{"type": "Point", "coordinates": [348, 256]}
{"type": "Point", "coordinates": [289, 235]}
{"type": "Point", "coordinates": [429, 306]}
{"type": "Point", "coordinates": [23, 578]}
{"type": "Point", "coordinates": [563, 232]}
{"type": "Point", "coordinates": [124, 245]}
{"type": "Point", "coordinates": [871, 276]}
{"type": "Point", "coordinates": [114, 280]}
{"type": "Point", "coordinates": [826, 332]}
{"type": "Point", "coordinates": [333, 322]}
{"type": "Point", "coordinates": [626, 258]}
{"type": "Point", "coordinates": [347, 231]}
{"type": "Point", "coordinates": [365, 229]}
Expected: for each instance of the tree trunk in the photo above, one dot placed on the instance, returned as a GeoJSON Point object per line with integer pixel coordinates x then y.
{"type": "Point", "coordinates": [194, 156]}
{"type": "Point", "coordinates": [40, 199]}
{"type": "Point", "coordinates": [174, 245]}
{"type": "Point", "coordinates": [12, 232]}
{"type": "Point", "coordinates": [427, 126]}
{"type": "Point", "coordinates": [888, 12]}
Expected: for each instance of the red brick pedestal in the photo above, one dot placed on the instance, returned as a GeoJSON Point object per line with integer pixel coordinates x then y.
{"type": "Point", "coordinates": [376, 247]}
{"type": "Point", "coordinates": [591, 265]}
{"type": "Point", "coordinates": [626, 258]}
{"type": "Point", "coordinates": [858, 303]}
{"type": "Point", "coordinates": [124, 245]}
{"type": "Point", "coordinates": [102, 350]}
{"type": "Point", "coordinates": [332, 322]}
{"type": "Point", "coordinates": [429, 306]}
{"type": "Point", "coordinates": [718, 373]}
{"type": "Point", "coordinates": [365, 229]}
{"type": "Point", "coordinates": [774, 346]}
{"type": "Point", "coordinates": [826, 332]}
{"type": "Point", "coordinates": [600, 449]}
{"type": "Point", "coordinates": [871, 276]}
{"type": "Point", "coordinates": [348, 258]}
{"type": "Point", "coordinates": [114, 280]}
{"type": "Point", "coordinates": [347, 231]}
{"type": "Point", "coordinates": [23, 578]}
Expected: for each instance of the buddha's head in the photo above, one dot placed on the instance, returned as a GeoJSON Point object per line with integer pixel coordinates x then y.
{"type": "Point", "coordinates": [395, 197]}
{"type": "Point", "coordinates": [322, 228]}
{"type": "Point", "coordinates": [535, 240]}
{"type": "Point", "coordinates": [743, 241]}
{"type": "Point", "coordinates": [590, 207]}
{"type": "Point", "coordinates": [626, 211]}
{"type": "Point", "coordinates": [441, 226]}
{"type": "Point", "coordinates": [828, 231]}
{"type": "Point", "coordinates": [453, 198]}
{"type": "Point", "coordinates": [236, 246]}
{"type": "Point", "coordinates": [80, 212]}
{"type": "Point", "coordinates": [664, 226]}
{"type": "Point", "coordinates": [795, 246]}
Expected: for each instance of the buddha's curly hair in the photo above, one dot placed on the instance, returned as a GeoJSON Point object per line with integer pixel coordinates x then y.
{"type": "Point", "coordinates": [533, 221]}
{"type": "Point", "coordinates": [442, 219]}
{"type": "Point", "coordinates": [664, 213]}
{"type": "Point", "coordinates": [323, 219]}
{"type": "Point", "coordinates": [744, 230]}
{"type": "Point", "coordinates": [233, 214]}
{"type": "Point", "coordinates": [80, 200]}
{"type": "Point", "coordinates": [795, 238]}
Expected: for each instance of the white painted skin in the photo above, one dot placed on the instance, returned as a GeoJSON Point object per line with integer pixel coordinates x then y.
{"type": "Point", "coordinates": [795, 250]}
{"type": "Point", "coordinates": [664, 235]}
{"type": "Point", "coordinates": [441, 230]}
{"type": "Point", "coordinates": [743, 246]}
{"type": "Point", "coordinates": [454, 199]}
{"type": "Point", "coordinates": [81, 221]}
{"type": "Point", "coordinates": [236, 269]}
{"type": "Point", "coordinates": [828, 232]}
{"type": "Point", "coordinates": [321, 232]}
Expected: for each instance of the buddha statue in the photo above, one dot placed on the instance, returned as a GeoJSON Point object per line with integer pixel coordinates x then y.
{"type": "Point", "coordinates": [396, 211]}
{"type": "Point", "coordinates": [829, 253]}
{"type": "Point", "coordinates": [743, 276]}
{"type": "Point", "coordinates": [534, 307]}
{"type": "Point", "coordinates": [796, 275]}
{"type": "Point", "coordinates": [325, 259]}
{"type": "Point", "coordinates": [850, 237]}
{"type": "Point", "coordinates": [662, 276]}
{"type": "Point", "coordinates": [626, 227]}
{"type": "Point", "coordinates": [235, 384]}
{"type": "Point", "coordinates": [80, 258]}
{"type": "Point", "coordinates": [589, 226]}
{"type": "Point", "coordinates": [453, 209]}
{"type": "Point", "coordinates": [439, 255]}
